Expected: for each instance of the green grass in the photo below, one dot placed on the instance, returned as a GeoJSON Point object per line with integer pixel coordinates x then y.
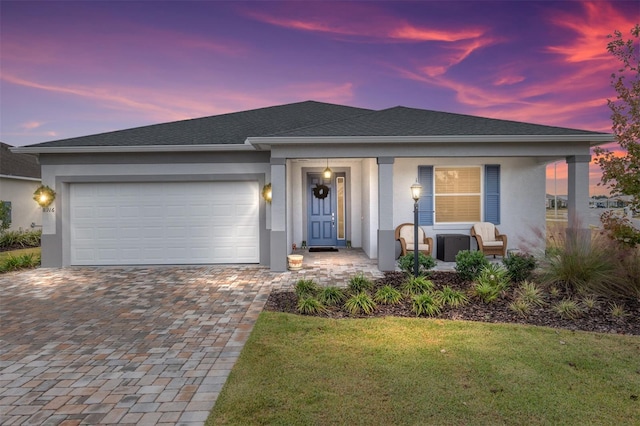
{"type": "Point", "coordinates": [402, 371]}
{"type": "Point", "coordinates": [5, 254]}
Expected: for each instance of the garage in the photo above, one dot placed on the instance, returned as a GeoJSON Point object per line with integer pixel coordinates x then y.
{"type": "Point", "coordinates": [160, 223]}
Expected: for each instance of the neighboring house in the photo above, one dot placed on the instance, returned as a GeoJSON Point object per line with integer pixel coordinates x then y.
{"type": "Point", "coordinates": [617, 202]}
{"type": "Point", "coordinates": [189, 192]}
{"type": "Point", "coordinates": [19, 178]}
{"type": "Point", "coordinates": [552, 199]}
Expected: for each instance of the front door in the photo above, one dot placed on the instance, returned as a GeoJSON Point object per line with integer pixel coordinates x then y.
{"type": "Point", "coordinates": [321, 220]}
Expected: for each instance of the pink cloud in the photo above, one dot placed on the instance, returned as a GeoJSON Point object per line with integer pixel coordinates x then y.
{"type": "Point", "coordinates": [508, 80]}
{"type": "Point", "coordinates": [359, 20]}
{"type": "Point", "coordinates": [599, 20]}
{"type": "Point", "coordinates": [30, 125]}
{"type": "Point", "coordinates": [150, 104]}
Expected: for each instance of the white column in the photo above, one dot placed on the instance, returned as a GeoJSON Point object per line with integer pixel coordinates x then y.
{"type": "Point", "coordinates": [386, 232]}
{"type": "Point", "coordinates": [578, 193]}
{"type": "Point", "coordinates": [278, 238]}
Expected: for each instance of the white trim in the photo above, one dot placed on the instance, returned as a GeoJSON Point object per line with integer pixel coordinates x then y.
{"type": "Point", "coordinates": [265, 143]}
{"type": "Point", "coordinates": [21, 178]}
{"type": "Point", "coordinates": [593, 139]}
{"type": "Point", "coordinates": [131, 148]}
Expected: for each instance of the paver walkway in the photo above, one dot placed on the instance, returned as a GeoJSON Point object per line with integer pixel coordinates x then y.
{"type": "Point", "coordinates": [134, 345]}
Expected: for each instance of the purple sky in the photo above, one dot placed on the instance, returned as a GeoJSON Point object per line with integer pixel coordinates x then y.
{"type": "Point", "coordinates": [77, 68]}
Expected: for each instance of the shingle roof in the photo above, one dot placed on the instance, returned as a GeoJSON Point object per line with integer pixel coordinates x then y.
{"type": "Point", "coordinates": [232, 128]}
{"type": "Point", "coordinates": [403, 121]}
{"type": "Point", "coordinates": [311, 119]}
{"type": "Point", "coordinates": [22, 165]}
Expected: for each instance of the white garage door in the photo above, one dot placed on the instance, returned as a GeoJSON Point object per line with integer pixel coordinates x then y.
{"type": "Point", "coordinates": [164, 223]}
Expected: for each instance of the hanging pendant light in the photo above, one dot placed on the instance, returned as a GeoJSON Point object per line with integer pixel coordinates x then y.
{"type": "Point", "coordinates": [327, 172]}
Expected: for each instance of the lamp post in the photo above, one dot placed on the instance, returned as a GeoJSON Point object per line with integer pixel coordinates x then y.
{"type": "Point", "coordinates": [416, 189]}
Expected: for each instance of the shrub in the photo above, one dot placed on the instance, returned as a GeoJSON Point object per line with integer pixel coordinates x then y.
{"type": "Point", "coordinates": [451, 297]}
{"type": "Point", "coordinates": [530, 293]}
{"type": "Point", "coordinates": [331, 295]}
{"type": "Point", "coordinates": [589, 302]}
{"type": "Point", "coordinates": [426, 304]}
{"type": "Point", "coordinates": [579, 265]}
{"type": "Point", "coordinates": [306, 287]}
{"type": "Point", "coordinates": [625, 281]}
{"type": "Point", "coordinates": [360, 302]}
{"type": "Point", "coordinates": [23, 261]}
{"type": "Point", "coordinates": [5, 221]}
{"type": "Point", "coordinates": [520, 307]}
{"type": "Point", "coordinates": [567, 309]}
{"type": "Point", "coordinates": [495, 275]}
{"type": "Point", "coordinates": [20, 239]}
{"type": "Point", "coordinates": [360, 283]}
{"type": "Point", "coordinates": [617, 311]}
{"type": "Point", "coordinates": [520, 266]}
{"type": "Point", "coordinates": [388, 295]}
{"type": "Point", "coordinates": [470, 263]}
{"type": "Point", "coordinates": [425, 263]}
{"type": "Point", "coordinates": [417, 285]}
{"type": "Point", "coordinates": [620, 229]}
{"type": "Point", "coordinates": [486, 291]}
{"type": "Point", "coordinates": [310, 305]}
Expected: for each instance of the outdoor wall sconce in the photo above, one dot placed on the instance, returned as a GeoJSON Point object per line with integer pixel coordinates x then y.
{"type": "Point", "coordinates": [266, 193]}
{"type": "Point", "coordinates": [327, 172]}
{"type": "Point", "coordinates": [44, 196]}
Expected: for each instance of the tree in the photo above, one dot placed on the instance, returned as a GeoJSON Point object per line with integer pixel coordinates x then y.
{"type": "Point", "coordinates": [621, 173]}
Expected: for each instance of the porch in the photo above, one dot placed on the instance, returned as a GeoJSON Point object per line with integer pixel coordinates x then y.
{"type": "Point", "coordinates": [336, 268]}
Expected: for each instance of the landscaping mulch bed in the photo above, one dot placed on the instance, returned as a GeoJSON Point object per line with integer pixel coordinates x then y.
{"type": "Point", "coordinates": [597, 319]}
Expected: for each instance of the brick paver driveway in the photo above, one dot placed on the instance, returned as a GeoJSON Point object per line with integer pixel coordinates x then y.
{"type": "Point", "coordinates": [123, 345]}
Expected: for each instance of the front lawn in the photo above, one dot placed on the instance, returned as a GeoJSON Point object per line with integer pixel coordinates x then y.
{"type": "Point", "coordinates": [308, 370]}
{"type": "Point", "coordinates": [33, 250]}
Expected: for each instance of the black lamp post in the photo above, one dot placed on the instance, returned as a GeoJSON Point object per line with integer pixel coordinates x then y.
{"type": "Point", "coordinates": [416, 189]}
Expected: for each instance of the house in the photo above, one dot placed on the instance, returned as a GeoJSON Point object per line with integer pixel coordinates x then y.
{"type": "Point", "coordinates": [190, 192]}
{"type": "Point", "coordinates": [552, 199]}
{"type": "Point", "coordinates": [19, 178]}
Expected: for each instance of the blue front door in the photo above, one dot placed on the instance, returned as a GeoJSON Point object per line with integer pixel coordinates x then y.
{"type": "Point", "coordinates": [321, 208]}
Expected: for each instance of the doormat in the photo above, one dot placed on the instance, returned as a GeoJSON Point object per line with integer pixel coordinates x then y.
{"type": "Point", "coordinates": [315, 249]}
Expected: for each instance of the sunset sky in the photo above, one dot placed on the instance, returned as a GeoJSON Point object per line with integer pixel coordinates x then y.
{"type": "Point", "coordinates": [73, 68]}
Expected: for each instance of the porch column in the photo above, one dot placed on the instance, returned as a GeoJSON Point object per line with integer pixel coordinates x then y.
{"type": "Point", "coordinates": [278, 215]}
{"type": "Point", "coordinates": [578, 194]}
{"type": "Point", "coordinates": [386, 232]}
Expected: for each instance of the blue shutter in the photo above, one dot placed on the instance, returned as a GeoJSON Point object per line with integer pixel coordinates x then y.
{"type": "Point", "coordinates": [492, 193]}
{"type": "Point", "coordinates": [425, 204]}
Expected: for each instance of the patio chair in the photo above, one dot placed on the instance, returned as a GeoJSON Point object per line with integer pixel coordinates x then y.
{"type": "Point", "coordinates": [405, 234]}
{"type": "Point", "coordinates": [490, 240]}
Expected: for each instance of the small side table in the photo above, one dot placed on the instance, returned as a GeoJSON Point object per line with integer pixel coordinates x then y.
{"type": "Point", "coordinates": [450, 244]}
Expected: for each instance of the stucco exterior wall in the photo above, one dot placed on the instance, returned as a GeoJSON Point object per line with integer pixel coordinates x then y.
{"type": "Point", "coordinates": [24, 211]}
{"type": "Point", "coordinates": [522, 197]}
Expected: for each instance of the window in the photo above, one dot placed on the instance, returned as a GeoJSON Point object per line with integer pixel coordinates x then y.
{"type": "Point", "coordinates": [341, 213]}
{"type": "Point", "coordinates": [456, 195]}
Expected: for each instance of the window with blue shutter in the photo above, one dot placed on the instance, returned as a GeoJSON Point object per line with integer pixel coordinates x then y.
{"type": "Point", "coordinates": [425, 204]}
{"type": "Point", "coordinates": [492, 193]}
